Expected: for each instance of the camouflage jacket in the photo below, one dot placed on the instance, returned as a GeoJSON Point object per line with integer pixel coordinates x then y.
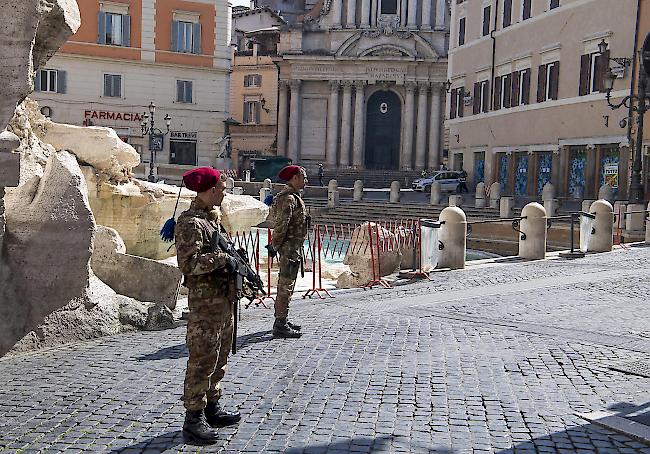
{"type": "Point", "coordinates": [204, 270]}
{"type": "Point", "coordinates": [290, 223]}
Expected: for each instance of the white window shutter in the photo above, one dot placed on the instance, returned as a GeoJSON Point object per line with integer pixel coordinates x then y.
{"type": "Point", "coordinates": [101, 27]}
{"type": "Point", "coordinates": [61, 81]}
{"type": "Point", "coordinates": [196, 39]}
{"type": "Point", "coordinates": [126, 30]}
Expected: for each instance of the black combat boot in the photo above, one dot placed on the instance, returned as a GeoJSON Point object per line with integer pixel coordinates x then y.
{"type": "Point", "coordinates": [293, 326]}
{"type": "Point", "coordinates": [282, 330]}
{"type": "Point", "coordinates": [218, 417]}
{"type": "Point", "coordinates": [196, 428]}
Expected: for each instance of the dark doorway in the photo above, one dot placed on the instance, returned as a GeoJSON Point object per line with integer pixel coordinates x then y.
{"type": "Point", "coordinates": [182, 153]}
{"type": "Point", "coordinates": [383, 127]}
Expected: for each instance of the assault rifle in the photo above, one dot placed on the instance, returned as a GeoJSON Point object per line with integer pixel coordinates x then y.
{"type": "Point", "coordinates": [242, 271]}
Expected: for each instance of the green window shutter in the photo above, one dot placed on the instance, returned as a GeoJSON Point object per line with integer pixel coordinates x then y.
{"type": "Point", "coordinates": [101, 28]}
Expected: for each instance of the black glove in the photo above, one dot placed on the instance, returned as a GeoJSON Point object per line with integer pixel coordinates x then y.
{"type": "Point", "coordinates": [231, 265]}
{"type": "Point", "coordinates": [272, 252]}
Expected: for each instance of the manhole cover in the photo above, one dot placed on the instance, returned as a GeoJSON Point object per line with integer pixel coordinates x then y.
{"type": "Point", "coordinates": [641, 368]}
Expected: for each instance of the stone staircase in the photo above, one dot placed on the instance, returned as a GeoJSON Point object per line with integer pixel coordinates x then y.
{"type": "Point", "coordinates": [370, 178]}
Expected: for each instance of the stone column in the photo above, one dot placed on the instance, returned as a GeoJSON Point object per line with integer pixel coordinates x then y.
{"type": "Point", "coordinates": [337, 9]}
{"type": "Point", "coordinates": [426, 14]}
{"type": "Point", "coordinates": [332, 123]}
{"type": "Point", "coordinates": [409, 110]}
{"type": "Point", "coordinates": [421, 138]}
{"type": "Point", "coordinates": [441, 14]}
{"type": "Point", "coordinates": [402, 13]}
{"type": "Point", "coordinates": [350, 20]}
{"type": "Point", "coordinates": [282, 117]}
{"type": "Point", "coordinates": [359, 114]}
{"type": "Point", "coordinates": [412, 14]}
{"type": "Point", "coordinates": [294, 121]}
{"type": "Point", "coordinates": [365, 14]}
{"type": "Point", "coordinates": [346, 124]}
{"type": "Point", "coordinates": [373, 13]}
{"type": "Point", "coordinates": [434, 129]}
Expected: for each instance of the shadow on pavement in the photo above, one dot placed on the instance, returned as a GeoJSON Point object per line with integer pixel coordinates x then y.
{"type": "Point", "coordinates": [254, 338]}
{"type": "Point", "coordinates": [160, 443]}
{"type": "Point", "coordinates": [368, 444]}
{"type": "Point", "coordinates": [589, 437]}
{"type": "Point", "coordinates": [175, 352]}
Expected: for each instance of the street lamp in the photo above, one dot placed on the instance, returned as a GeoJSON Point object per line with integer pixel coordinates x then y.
{"type": "Point", "coordinates": [635, 103]}
{"type": "Point", "coordinates": [156, 136]}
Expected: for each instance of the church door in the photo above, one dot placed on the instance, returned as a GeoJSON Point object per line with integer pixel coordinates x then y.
{"type": "Point", "coordinates": [383, 126]}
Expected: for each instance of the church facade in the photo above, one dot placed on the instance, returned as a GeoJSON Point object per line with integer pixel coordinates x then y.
{"type": "Point", "coordinates": [360, 84]}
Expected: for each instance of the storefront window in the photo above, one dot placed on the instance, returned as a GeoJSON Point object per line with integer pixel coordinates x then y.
{"type": "Point", "coordinates": [577, 180]}
{"type": "Point", "coordinates": [479, 167]}
{"type": "Point", "coordinates": [609, 162]}
{"type": "Point", "coordinates": [545, 164]}
{"type": "Point", "coordinates": [182, 152]}
{"type": "Point", "coordinates": [521, 176]}
{"type": "Point", "coordinates": [503, 170]}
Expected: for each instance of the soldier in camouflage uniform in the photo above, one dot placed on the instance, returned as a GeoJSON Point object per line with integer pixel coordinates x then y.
{"type": "Point", "coordinates": [208, 275]}
{"type": "Point", "coordinates": [289, 234]}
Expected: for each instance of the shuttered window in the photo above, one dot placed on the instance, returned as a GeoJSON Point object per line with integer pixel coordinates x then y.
{"type": "Point", "coordinates": [252, 112]}
{"type": "Point", "coordinates": [481, 97]}
{"type": "Point", "coordinates": [593, 68]}
{"type": "Point", "coordinates": [461, 31]}
{"type": "Point", "coordinates": [114, 29]}
{"type": "Point", "coordinates": [507, 13]}
{"type": "Point", "coordinates": [184, 91]}
{"type": "Point", "coordinates": [487, 12]}
{"type": "Point", "coordinates": [548, 80]}
{"type": "Point", "coordinates": [453, 101]}
{"type": "Point", "coordinates": [113, 85]}
{"type": "Point", "coordinates": [526, 9]}
{"type": "Point", "coordinates": [50, 80]}
{"type": "Point", "coordinates": [520, 88]}
{"type": "Point", "coordinates": [253, 80]}
{"type": "Point", "coordinates": [186, 37]}
{"type": "Point", "coordinates": [555, 3]}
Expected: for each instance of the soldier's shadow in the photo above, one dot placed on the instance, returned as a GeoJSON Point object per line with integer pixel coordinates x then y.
{"type": "Point", "coordinates": [160, 443]}
{"type": "Point", "coordinates": [175, 352]}
{"type": "Point", "coordinates": [254, 338]}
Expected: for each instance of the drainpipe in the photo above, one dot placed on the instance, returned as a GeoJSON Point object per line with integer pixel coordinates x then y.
{"type": "Point", "coordinates": [494, 51]}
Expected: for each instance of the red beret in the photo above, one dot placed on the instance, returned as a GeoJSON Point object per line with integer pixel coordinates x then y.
{"type": "Point", "coordinates": [288, 172]}
{"type": "Point", "coordinates": [201, 179]}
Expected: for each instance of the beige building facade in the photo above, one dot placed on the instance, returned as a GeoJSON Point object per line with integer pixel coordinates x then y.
{"type": "Point", "coordinates": [527, 103]}
{"type": "Point", "coordinates": [361, 84]}
{"type": "Point", "coordinates": [128, 53]}
{"type": "Point", "coordinates": [254, 84]}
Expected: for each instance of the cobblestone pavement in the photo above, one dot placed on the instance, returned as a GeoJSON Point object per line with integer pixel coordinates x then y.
{"type": "Point", "coordinates": [495, 358]}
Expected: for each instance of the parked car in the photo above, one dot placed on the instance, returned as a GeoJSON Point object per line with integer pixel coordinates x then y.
{"type": "Point", "coordinates": [448, 179]}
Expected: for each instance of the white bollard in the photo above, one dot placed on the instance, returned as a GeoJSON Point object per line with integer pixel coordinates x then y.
{"type": "Point", "coordinates": [602, 236]}
{"type": "Point", "coordinates": [532, 240]}
{"type": "Point", "coordinates": [548, 192]}
{"type": "Point", "coordinates": [238, 190]}
{"type": "Point", "coordinates": [453, 238]}
{"type": "Point", "coordinates": [551, 206]}
{"type": "Point", "coordinates": [635, 222]}
{"type": "Point", "coordinates": [358, 191]}
{"type": "Point", "coordinates": [264, 193]}
{"type": "Point", "coordinates": [506, 205]}
{"type": "Point", "coordinates": [495, 194]}
{"type": "Point", "coordinates": [394, 191]}
{"type": "Point", "coordinates": [435, 193]}
{"type": "Point", "coordinates": [480, 201]}
{"type": "Point", "coordinates": [586, 206]}
{"type": "Point", "coordinates": [230, 184]}
{"type": "Point", "coordinates": [267, 183]}
{"type": "Point", "coordinates": [606, 193]}
{"type": "Point", "coordinates": [456, 200]}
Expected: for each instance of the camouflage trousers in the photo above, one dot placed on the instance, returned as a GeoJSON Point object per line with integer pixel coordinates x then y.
{"type": "Point", "coordinates": [289, 267]}
{"type": "Point", "coordinates": [209, 340]}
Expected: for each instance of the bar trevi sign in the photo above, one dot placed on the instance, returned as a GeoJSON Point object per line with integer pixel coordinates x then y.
{"type": "Point", "coordinates": [183, 135]}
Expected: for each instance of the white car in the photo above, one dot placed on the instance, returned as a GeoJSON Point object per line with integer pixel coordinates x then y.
{"type": "Point", "coordinates": [448, 179]}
